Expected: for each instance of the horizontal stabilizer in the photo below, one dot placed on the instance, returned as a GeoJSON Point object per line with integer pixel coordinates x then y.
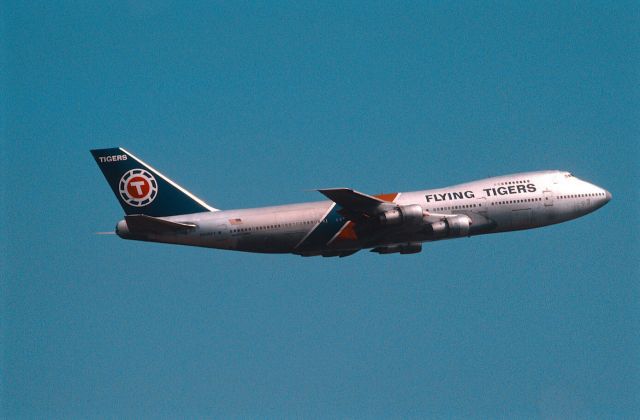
{"type": "Point", "coordinates": [140, 224]}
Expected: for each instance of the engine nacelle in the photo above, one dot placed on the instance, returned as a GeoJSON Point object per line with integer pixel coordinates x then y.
{"type": "Point", "coordinates": [410, 215]}
{"type": "Point", "coordinates": [452, 227]}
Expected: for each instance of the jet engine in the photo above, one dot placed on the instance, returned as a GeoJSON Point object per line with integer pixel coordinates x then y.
{"type": "Point", "coordinates": [409, 216]}
{"type": "Point", "coordinates": [412, 218]}
{"type": "Point", "coordinates": [452, 227]}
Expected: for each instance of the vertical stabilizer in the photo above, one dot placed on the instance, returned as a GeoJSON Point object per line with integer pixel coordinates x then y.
{"type": "Point", "coordinates": [140, 189]}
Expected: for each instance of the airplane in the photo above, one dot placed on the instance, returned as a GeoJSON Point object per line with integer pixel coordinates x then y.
{"type": "Point", "coordinates": [159, 210]}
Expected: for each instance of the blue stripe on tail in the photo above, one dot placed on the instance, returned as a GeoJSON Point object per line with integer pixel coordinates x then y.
{"type": "Point", "coordinates": [324, 231]}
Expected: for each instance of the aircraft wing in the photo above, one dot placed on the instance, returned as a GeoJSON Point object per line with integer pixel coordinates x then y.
{"type": "Point", "coordinates": [356, 205]}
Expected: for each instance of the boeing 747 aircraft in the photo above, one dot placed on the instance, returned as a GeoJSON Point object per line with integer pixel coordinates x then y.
{"type": "Point", "coordinates": [158, 210]}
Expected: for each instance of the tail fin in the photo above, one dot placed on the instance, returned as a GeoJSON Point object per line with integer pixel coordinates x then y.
{"type": "Point", "coordinates": [140, 189]}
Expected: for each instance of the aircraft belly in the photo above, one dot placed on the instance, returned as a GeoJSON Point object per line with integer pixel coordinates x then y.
{"type": "Point", "coordinates": [521, 218]}
{"type": "Point", "coordinates": [269, 243]}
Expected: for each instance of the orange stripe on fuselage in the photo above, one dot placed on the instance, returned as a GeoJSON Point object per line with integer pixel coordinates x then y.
{"type": "Point", "coordinates": [348, 233]}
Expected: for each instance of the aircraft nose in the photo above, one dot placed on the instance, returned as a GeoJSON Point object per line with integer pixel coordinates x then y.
{"type": "Point", "coordinates": [607, 195]}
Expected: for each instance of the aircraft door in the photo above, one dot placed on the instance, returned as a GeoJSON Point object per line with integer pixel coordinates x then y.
{"type": "Point", "coordinates": [220, 232]}
{"type": "Point", "coordinates": [481, 202]}
{"type": "Point", "coordinates": [215, 235]}
{"type": "Point", "coordinates": [547, 197]}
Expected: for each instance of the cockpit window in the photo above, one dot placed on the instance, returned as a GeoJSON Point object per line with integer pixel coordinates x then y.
{"type": "Point", "coordinates": [568, 175]}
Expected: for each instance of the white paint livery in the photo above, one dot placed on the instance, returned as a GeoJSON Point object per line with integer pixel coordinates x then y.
{"type": "Point", "coordinates": [391, 223]}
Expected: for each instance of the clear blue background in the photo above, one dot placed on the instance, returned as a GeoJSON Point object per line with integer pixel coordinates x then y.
{"type": "Point", "coordinates": [254, 104]}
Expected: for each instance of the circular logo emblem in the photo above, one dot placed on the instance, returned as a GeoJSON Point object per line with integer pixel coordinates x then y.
{"type": "Point", "coordinates": [138, 188]}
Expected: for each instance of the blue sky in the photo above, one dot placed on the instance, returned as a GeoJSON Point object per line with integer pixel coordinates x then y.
{"type": "Point", "coordinates": [256, 104]}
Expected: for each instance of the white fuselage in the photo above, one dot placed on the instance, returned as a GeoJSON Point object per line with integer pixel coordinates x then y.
{"type": "Point", "coordinates": [499, 204]}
